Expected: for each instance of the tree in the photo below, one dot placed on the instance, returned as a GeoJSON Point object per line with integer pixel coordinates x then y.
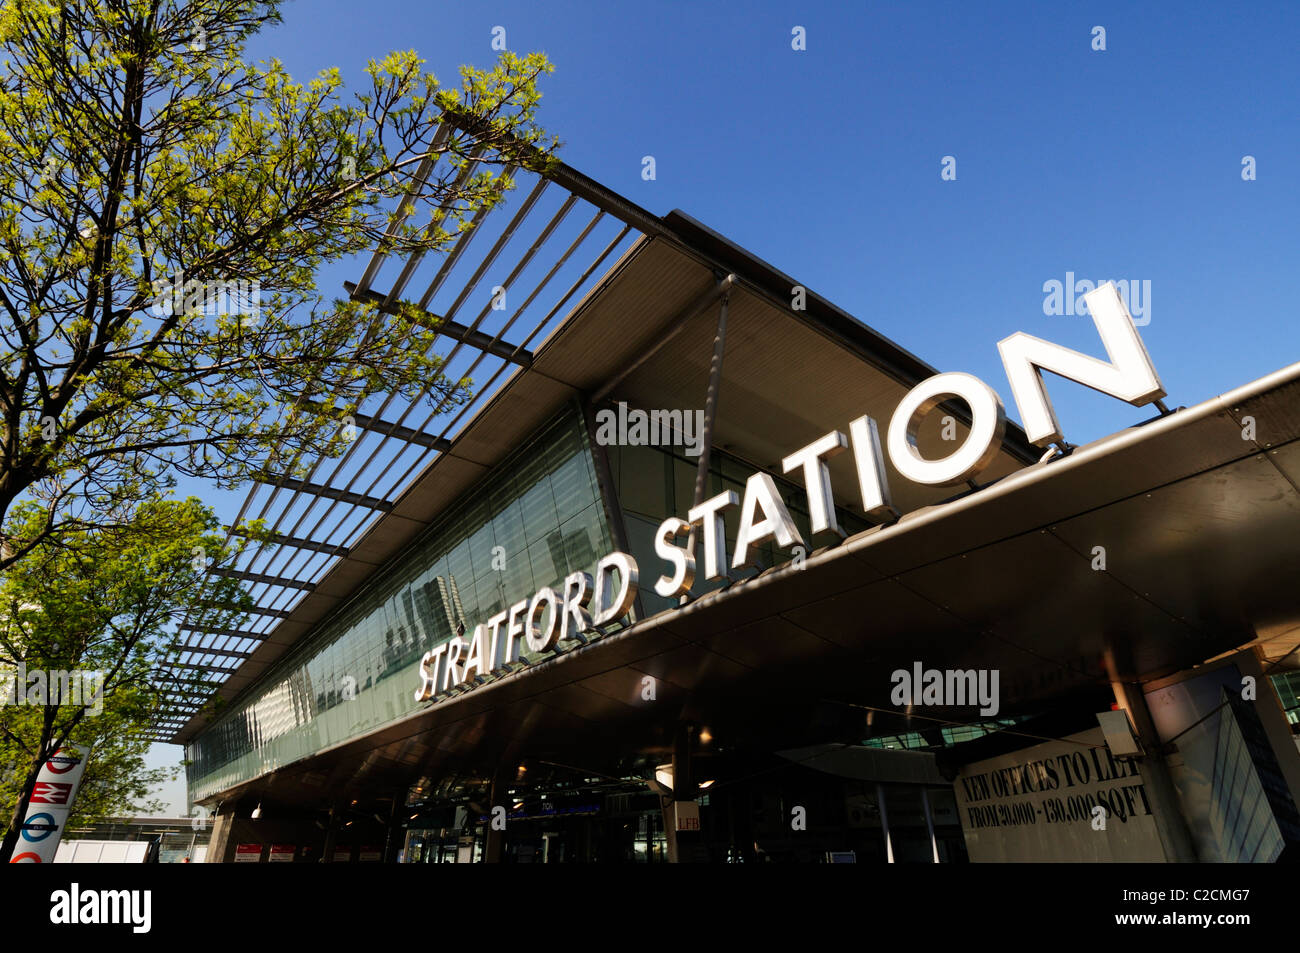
{"type": "Point", "coordinates": [147, 176]}
{"type": "Point", "coordinates": [101, 603]}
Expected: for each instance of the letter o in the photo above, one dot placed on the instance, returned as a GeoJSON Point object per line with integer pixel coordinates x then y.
{"type": "Point", "coordinates": [988, 424]}
{"type": "Point", "coordinates": [539, 641]}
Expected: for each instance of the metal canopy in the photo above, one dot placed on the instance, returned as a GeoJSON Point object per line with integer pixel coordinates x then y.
{"type": "Point", "coordinates": [546, 251]}
{"type": "Point", "coordinates": [332, 529]}
{"type": "Point", "coordinates": [1199, 525]}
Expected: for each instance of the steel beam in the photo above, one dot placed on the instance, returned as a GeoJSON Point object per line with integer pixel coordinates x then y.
{"type": "Point", "coordinates": [213, 630]}
{"type": "Point", "coordinates": [200, 650]}
{"type": "Point", "coordinates": [329, 493]}
{"type": "Point", "coordinates": [398, 432]}
{"type": "Point", "coordinates": [279, 539]}
{"type": "Point", "coordinates": [254, 610]}
{"type": "Point", "coordinates": [451, 329]}
{"type": "Point", "coordinates": [257, 577]}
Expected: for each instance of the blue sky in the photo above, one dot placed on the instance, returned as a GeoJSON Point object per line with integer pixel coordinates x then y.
{"type": "Point", "coordinates": [1123, 163]}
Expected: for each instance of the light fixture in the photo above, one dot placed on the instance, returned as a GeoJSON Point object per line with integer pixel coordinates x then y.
{"type": "Point", "coordinates": [705, 736]}
{"type": "Point", "coordinates": [664, 775]}
{"type": "Point", "coordinates": [257, 811]}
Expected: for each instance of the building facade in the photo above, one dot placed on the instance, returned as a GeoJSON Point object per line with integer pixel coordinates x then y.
{"type": "Point", "coordinates": [718, 573]}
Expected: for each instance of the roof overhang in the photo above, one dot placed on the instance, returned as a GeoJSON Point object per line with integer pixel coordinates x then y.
{"type": "Point", "coordinates": [1198, 524]}
{"type": "Point", "coordinates": [788, 377]}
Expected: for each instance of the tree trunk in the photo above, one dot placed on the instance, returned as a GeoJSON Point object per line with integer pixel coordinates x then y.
{"type": "Point", "coordinates": [20, 810]}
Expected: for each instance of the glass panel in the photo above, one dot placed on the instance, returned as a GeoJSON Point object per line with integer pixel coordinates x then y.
{"type": "Point", "coordinates": [358, 669]}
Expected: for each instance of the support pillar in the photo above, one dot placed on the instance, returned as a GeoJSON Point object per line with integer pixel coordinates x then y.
{"type": "Point", "coordinates": [494, 843]}
{"type": "Point", "coordinates": [331, 834]}
{"type": "Point", "coordinates": [884, 823]}
{"type": "Point", "coordinates": [219, 845]}
{"type": "Point", "coordinates": [710, 414]}
{"type": "Point", "coordinates": [1175, 837]}
{"type": "Point", "coordinates": [392, 832]}
{"type": "Point", "coordinates": [682, 845]}
{"type": "Point", "coordinates": [929, 825]}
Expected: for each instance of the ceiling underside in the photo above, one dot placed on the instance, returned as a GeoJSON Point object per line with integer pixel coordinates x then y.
{"type": "Point", "coordinates": [787, 379]}
{"type": "Point", "coordinates": [1199, 529]}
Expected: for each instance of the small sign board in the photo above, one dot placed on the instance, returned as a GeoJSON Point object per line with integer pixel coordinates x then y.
{"type": "Point", "coordinates": [686, 815]}
{"type": "Point", "coordinates": [248, 854]}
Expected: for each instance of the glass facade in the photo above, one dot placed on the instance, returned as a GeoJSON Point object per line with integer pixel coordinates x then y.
{"type": "Point", "coordinates": [1288, 691]}
{"type": "Point", "coordinates": [657, 482]}
{"type": "Point", "coordinates": [1240, 812]}
{"type": "Point", "coordinates": [534, 519]}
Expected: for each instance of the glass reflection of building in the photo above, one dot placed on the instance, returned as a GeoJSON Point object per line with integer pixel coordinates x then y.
{"type": "Point", "coordinates": [534, 518]}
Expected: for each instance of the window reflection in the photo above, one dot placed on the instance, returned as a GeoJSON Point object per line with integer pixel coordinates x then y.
{"type": "Point", "coordinates": [533, 520]}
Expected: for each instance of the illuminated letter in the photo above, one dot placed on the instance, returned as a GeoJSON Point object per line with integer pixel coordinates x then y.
{"type": "Point", "coordinates": [514, 629]}
{"type": "Point", "coordinates": [760, 493]}
{"type": "Point", "coordinates": [429, 673]}
{"type": "Point", "coordinates": [714, 530]}
{"type": "Point", "coordinates": [476, 661]}
{"type": "Point", "coordinates": [817, 479]}
{"type": "Point", "coordinates": [988, 422]}
{"type": "Point", "coordinates": [872, 478]}
{"type": "Point", "coordinates": [1130, 375]}
{"type": "Point", "coordinates": [451, 674]}
{"type": "Point", "coordinates": [622, 600]}
{"type": "Point", "coordinates": [490, 657]}
{"type": "Point", "coordinates": [682, 560]}
{"type": "Point", "coordinates": [577, 595]}
{"type": "Point", "coordinates": [539, 641]}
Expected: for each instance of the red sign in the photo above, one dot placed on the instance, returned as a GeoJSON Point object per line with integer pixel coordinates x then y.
{"type": "Point", "coordinates": [282, 853]}
{"type": "Point", "coordinates": [248, 853]}
{"type": "Point", "coordinates": [60, 763]}
{"type": "Point", "coordinates": [50, 792]}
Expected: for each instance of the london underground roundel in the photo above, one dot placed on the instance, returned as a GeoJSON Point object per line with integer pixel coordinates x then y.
{"type": "Point", "coordinates": [38, 827]}
{"type": "Point", "coordinates": [60, 763]}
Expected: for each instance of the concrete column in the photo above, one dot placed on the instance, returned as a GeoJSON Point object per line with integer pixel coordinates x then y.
{"type": "Point", "coordinates": [884, 823]}
{"type": "Point", "coordinates": [929, 825]}
{"type": "Point", "coordinates": [494, 844]}
{"type": "Point", "coordinates": [331, 833]}
{"type": "Point", "coordinates": [1175, 837]}
{"type": "Point", "coordinates": [682, 844]}
{"type": "Point", "coordinates": [220, 850]}
{"type": "Point", "coordinates": [393, 832]}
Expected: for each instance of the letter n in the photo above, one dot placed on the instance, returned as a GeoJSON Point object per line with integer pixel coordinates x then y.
{"type": "Point", "coordinates": [1129, 376]}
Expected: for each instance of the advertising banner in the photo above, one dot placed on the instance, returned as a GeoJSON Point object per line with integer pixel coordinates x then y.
{"type": "Point", "coordinates": [1066, 800]}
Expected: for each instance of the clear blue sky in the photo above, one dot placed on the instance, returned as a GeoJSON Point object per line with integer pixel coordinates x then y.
{"type": "Point", "coordinates": [826, 162]}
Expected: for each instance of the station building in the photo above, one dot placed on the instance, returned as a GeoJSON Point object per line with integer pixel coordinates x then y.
{"type": "Point", "coordinates": [1057, 653]}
